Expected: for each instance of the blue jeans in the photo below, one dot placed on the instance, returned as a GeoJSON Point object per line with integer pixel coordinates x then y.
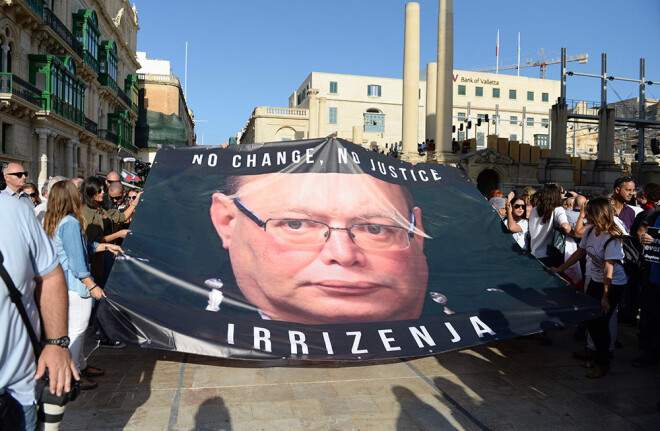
{"type": "Point", "coordinates": [28, 422]}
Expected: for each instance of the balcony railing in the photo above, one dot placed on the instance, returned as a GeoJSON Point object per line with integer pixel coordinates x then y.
{"type": "Point", "coordinates": [108, 81]}
{"type": "Point", "coordinates": [60, 29]}
{"type": "Point", "coordinates": [91, 62]}
{"type": "Point", "coordinates": [67, 110]}
{"type": "Point", "coordinates": [37, 6]}
{"type": "Point", "coordinates": [268, 111]}
{"type": "Point", "coordinates": [124, 97]}
{"type": "Point", "coordinates": [10, 83]}
{"type": "Point", "coordinates": [160, 78]}
{"type": "Point", "coordinates": [108, 135]}
{"type": "Point", "coordinates": [90, 126]}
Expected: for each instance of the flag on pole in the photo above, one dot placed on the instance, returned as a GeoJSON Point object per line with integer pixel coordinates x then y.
{"type": "Point", "coordinates": [125, 176]}
{"type": "Point", "coordinates": [497, 52]}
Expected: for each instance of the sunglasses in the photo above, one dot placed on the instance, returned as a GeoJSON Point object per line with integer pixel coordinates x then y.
{"type": "Point", "coordinates": [115, 198]}
{"type": "Point", "coordinates": [33, 195]}
{"type": "Point", "coordinates": [19, 174]}
{"type": "Point", "coordinates": [130, 198]}
{"type": "Point", "coordinates": [518, 206]}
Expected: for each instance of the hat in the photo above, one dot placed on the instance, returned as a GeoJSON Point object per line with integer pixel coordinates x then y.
{"type": "Point", "coordinates": [498, 203]}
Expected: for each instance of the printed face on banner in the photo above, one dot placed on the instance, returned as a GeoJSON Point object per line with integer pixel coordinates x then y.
{"type": "Point", "coordinates": [324, 248]}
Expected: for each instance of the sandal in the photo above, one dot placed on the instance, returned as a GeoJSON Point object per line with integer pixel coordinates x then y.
{"type": "Point", "coordinates": [88, 384]}
{"type": "Point", "coordinates": [597, 371]}
{"type": "Point", "coordinates": [92, 372]}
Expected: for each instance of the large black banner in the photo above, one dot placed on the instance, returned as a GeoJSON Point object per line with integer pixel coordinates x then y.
{"type": "Point", "coordinates": [320, 249]}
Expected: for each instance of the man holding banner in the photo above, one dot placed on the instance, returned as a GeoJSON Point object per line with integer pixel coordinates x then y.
{"type": "Point", "coordinates": [324, 248]}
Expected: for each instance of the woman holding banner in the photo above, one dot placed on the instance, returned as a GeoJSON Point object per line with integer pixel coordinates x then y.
{"type": "Point", "coordinates": [64, 223]}
{"type": "Point", "coordinates": [547, 216]}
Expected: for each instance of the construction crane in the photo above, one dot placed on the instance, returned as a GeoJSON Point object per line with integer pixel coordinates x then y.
{"type": "Point", "coordinates": [542, 63]}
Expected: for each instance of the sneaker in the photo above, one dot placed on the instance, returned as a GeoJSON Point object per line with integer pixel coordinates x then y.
{"type": "Point", "coordinates": [112, 344]}
{"type": "Point", "coordinates": [646, 359]}
{"type": "Point", "coordinates": [585, 354]}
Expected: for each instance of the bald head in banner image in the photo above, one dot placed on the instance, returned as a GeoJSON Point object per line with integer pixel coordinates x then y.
{"type": "Point", "coordinates": [320, 248]}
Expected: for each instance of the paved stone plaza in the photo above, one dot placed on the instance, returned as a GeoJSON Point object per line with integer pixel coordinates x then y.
{"type": "Point", "coordinates": [517, 384]}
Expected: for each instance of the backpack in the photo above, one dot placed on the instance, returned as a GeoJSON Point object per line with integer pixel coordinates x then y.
{"type": "Point", "coordinates": [633, 257]}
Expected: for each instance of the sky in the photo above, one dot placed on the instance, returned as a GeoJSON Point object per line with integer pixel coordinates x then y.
{"type": "Point", "coordinates": [248, 53]}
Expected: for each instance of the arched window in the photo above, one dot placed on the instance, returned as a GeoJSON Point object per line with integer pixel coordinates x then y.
{"type": "Point", "coordinates": [374, 121]}
{"type": "Point", "coordinates": [86, 30]}
{"type": "Point", "coordinates": [63, 90]}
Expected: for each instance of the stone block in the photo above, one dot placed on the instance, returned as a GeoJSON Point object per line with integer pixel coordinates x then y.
{"type": "Point", "coordinates": [492, 142]}
{"type": "Point", "coordinates": [473, 144]}
{"type": "Point", "coordinates": [525, 153]}
{"type": "Point", "coordinates": [545, 152]}
{"type": "Point", "coordinates": [514, 150]}
{"type": "Point", "coordinates": [535, 154]}
{"type": "Point", "coordinates": [503, 146]}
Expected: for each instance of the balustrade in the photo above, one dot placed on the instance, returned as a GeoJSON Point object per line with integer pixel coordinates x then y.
{"type": "Point", "coordinates": [52, 21]}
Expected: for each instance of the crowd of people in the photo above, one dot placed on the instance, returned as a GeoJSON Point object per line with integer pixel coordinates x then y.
{"type": "Point", "coordinates": [71, 230]}
{"type": "Point", "coordinates": [66, 235]}
{"type": "Point", "coordinates": [596, 244]}
{"type": "Point", "coordinates": [394, 149]}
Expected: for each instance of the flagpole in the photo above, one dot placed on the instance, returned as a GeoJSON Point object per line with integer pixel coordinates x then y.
{"type": "Point", "coordinates": [185, 77]}
{"type": "Point", "coordinates": [497, 53]}
{"type": "Point", "coordinates": [518, 53]}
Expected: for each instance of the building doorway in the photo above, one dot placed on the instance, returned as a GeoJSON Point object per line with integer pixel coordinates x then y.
{"type": "Point", "coordinates": [487, 180]}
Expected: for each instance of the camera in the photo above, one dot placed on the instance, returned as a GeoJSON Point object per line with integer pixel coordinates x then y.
{"type": "Point", "coordinates": [46, 397]}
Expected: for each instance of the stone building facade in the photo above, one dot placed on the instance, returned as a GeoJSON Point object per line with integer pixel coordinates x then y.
{"type": "Point", "coordinates": [164, 117]}
{"type": "Point", "coordinates": [68, 87]}
{"type": "Point", "coordinates": [368, 110]}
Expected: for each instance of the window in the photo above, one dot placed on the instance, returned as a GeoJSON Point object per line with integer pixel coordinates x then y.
{"type": "Point", "coordinates": [461, 90]}
{"type": "Point", "coordinates": [496, 93]}
{"type": "Point", "coordinates": [544, 97]}
{"type": "Point", "coordinates": [373, 90]}
{"type": "Point", "coordinates": [300, 98]}
{"type": "Point", "coordinates": [100, 162]}
{"type": "Point", "coordinates": [481, 117]}
{"type": "Point", "coordinates": [513, 137]}
{"type": "Point", "coordinates": [541, 141]}
{"type": "Point", "coordinates": [512, 94]}
{"type": "Point", "coordinates": [479, 91]}
{"type": "Point", "coordinates": [333, 87]}
{"type": "Point", "coordinates": [374, 122]}
{"type": "Point", "coordinates": [461, 116]}
{"type": "Point", "coordinates": [544, 122]}
{"type": "Point", "coordinates": [530, 121]}
{"type": "Point", "coordinates": [530, 96]}
{"type": "Point", "coordinates": [461, 135]}
{"type": "Point", "coordinates": [332, 117]}
{"type": "Point", "coordinates": [4, 145]}
{"type": "Point", "coordinates": [63, 90]}
{"type": "Point", "coordinates": [481, 139]}
{"type": "Point", "coordinates": [513, 120]}
{"type": "Point", "coordinates": [85, 28]}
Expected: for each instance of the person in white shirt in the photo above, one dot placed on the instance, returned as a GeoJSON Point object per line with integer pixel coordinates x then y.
{"type": "Point", "coordinates": [516, 222]}
{"type": "Point", "coordinates": [546, 216]}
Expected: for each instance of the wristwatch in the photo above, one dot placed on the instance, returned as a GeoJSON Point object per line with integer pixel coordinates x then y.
{"type": "Point", "coordinates": [63, 342]}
